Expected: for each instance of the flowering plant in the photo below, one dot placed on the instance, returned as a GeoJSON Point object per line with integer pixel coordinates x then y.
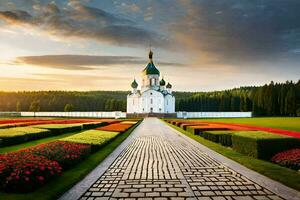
{"type": "Point", "coordinates": [65, 153]}
{"type": "Point", "coordinates": [115, 127]}
{"type": "Point", "coordinates": [290, 158]}
{"type": "Point", "coordinates": [23, 172]}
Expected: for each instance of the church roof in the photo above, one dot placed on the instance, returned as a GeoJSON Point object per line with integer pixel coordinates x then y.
{"type": "Point", "coordinates": [162, 82]}
{"type": "Point", "coordinates": [134, 84]}
{"type": "Point", "coordinates": [150, 69]}
{"type": "Point", "coordinates": [169, 85]}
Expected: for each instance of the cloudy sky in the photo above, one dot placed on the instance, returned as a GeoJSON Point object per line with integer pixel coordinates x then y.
{"type": "Point", "coordinates": [199, 45]}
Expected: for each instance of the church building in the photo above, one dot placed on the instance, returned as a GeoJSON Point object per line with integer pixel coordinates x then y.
{"type": "Point", "coordinates": [154, 95]}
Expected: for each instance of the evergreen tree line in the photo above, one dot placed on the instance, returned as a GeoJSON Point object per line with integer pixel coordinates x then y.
{"type": "Point", "coordinates": [274, 99]}
{"type": "Point", "coordinates": [63, 101]}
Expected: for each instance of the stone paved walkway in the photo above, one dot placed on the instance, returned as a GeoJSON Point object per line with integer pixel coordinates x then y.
{"type": "Point", "coordinates": [158, 164]}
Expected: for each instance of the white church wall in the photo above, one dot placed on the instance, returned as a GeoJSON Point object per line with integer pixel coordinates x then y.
{"type": "Point", "coordinates": [152, 99]}
{"type": "Point", "coordinates": [169, 104]}
{"type": "Point", "coordinates": [115, 114]}
{"type": "Point", "coordinates": [133, 103]}
{"type": "Point", "coordinates": [213, 114]}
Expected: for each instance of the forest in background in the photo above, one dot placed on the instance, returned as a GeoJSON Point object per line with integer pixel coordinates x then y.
{"type": "Point", "coordinates": [274, 99]}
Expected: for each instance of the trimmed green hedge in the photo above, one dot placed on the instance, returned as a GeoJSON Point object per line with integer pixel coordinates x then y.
{"type": "Point", "coordinates": [57, 129]}
{"type": "Point", "coordinates": [93, 125]}
{"type": "Point", "coordinates": [197, 130]}
{"type": "Point", "coordinates": [96, 138]}
{"type": "Point", "coordinates": [185, 125]}
{"type": "Point", "coordinates": [17, 135]}
{"type": "Point", "coordinates": [261, 144]}
{"type": "Point", "coordinates": [192, 129]}
{"type": "Point", "coordinates": [222, 137]}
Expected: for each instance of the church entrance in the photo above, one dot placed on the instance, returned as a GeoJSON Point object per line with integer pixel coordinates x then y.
{"type": "Point", "coordinates": [151, 109]}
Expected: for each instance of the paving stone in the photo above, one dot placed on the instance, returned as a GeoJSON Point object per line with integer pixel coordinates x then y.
{"type": "Point", "coordinates": [101, 198]}
{"type": "Point", "coordinates": [208, 193]}
{"type": "Point", "coordinates": [147, 189]}
{"type": "Point", "coordinates": [95, 194]}
{"type": "Point", "coordinates": [120, 194]}
{"type": "Point", "coordinates": [130, 190]}
{"type": "Point", "coordinates": [159, 189]}
{"type": "Point", "coordinates": [137, 194]}
{"type": "Point", "coordinates": [169, 194]}
{"type": "Point", "coordinates": [206, 188]}
{"type": "Point", "coordinates": [152, 194]}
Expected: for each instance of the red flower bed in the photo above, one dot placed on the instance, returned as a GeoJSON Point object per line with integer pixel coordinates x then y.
{"type": "Point", "coordinates": [113, 121]}
{"type": "Point", "coordinates": [242, 127]}
{"type": "Point", "coordinates": [115, 127]}
{"type": "Point", "coordinates": [13, 121]}
{"type": "Point", "coordinates": [267, 129]}
{"type": "Point", "coordinates": [23, 172]}
{"type": "Point", "coordinates": [290, 159]}
{"type": "Point", "coordinates": [30, 122]}
{"type": "Point", "coordinates": [65, 153]}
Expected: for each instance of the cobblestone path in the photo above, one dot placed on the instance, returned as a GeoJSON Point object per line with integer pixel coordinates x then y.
{"type": "Point", "coordinates": [159, 164]}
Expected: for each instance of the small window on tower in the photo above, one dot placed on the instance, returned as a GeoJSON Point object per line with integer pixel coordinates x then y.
{"type": "Point", "coordinates": [151, 101]}
{"type": "Point", "coordinates": [150, 93]}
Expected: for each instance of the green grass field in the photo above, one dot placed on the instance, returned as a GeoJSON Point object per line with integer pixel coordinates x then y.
{"type": "Point", "coordinates": [284, 175]}
{"type": "Point", "coordinates": [285, 123]}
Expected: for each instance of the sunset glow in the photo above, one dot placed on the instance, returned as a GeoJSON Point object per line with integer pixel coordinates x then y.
{"type": "Point", "coordinates": [101, 45]}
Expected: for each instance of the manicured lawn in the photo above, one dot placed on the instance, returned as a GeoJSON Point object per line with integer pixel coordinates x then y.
{"type": "Point", "coordinates": [284, 175]}
{"type": "Point", "coordinates": [33, 143]}
{"type": "Point", "coordinates": [285, 123]}
{"type": "Point", "coordinates": [58, 186]}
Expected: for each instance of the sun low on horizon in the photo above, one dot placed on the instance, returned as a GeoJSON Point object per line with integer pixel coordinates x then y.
{"type": "Point", "coordinates": [202, 45]}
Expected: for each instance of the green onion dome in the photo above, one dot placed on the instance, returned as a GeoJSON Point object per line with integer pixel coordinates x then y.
{"type": "Point", "coordinates": [134, 84]}
{"type": "Point", "coordinates": [169, 85]}
{"type": "Point", "coordinates": [150, 69]}
{"type": "Point", "coordinates": [162, 82]}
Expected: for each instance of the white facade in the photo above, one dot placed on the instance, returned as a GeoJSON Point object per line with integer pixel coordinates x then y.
{"type": "Point", "coordinates": [214, 114]}
{"type": "Point", "coordinates": [154, 96]}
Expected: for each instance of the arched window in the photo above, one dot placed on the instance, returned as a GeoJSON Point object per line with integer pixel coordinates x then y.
{"type": "Point", "coordinates": [167, 102]}
{"type": "Point", "coordinates": [151, 100]}
{"type": "Point", "coordinates": [152, 81]}
{"type": "Point", "coordinates": [132, 101]}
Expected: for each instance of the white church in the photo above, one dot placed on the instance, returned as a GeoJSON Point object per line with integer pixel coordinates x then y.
{"type": "Point", "coordinates": [154, 96]}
